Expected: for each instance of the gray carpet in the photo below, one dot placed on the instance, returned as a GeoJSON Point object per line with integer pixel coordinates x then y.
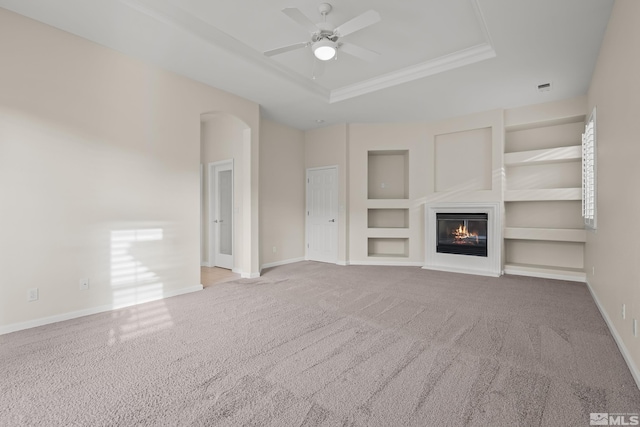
{"type": "Point", "coordinates": [313, 344]}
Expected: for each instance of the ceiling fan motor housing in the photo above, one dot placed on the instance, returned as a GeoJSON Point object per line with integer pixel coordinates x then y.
{"type": "Point", "coordinates": [328, 35]}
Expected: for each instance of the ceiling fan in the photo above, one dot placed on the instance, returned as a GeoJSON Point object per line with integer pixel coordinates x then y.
{"type": "Point", "coordinates": [325, 39]}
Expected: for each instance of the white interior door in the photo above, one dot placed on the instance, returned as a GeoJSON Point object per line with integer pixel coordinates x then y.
{"type": "Point", "coordinates": [322, 214]}
{"type": "Point", "coordinates": [221, 214]}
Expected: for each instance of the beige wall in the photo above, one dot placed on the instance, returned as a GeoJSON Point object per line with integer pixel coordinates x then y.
{"type": "Point", "coordinates": [615, 91]}
{"type": "Point", "coordinates": [282, 193]}
{"type": "Point", "coordinates": [99, 175]}
{"type": "Point", "coordinates": [328, 147]}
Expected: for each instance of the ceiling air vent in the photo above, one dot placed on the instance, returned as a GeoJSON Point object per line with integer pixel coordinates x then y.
{"type": "Point", "coordinates": [544, 87]}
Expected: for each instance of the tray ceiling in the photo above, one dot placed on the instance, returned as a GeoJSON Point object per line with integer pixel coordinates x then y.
{"type": "Point", "coordinates": [437, 58]}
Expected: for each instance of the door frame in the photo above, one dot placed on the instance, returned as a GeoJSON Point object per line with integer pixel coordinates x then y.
{"type": "Point", "coordinates": [211, 210]}
{"type": "Point", "coordinates": [306, 208]}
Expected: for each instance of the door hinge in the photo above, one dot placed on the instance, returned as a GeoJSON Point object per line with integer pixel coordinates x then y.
{"type": "Point", "coordinates": [307, 246]}
{"type": "Point", "coordinates": [307, 213]}
{"type": "Point", "coordinates": [307, 180]}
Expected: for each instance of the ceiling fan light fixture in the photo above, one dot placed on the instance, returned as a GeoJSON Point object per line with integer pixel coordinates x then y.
{"type": "Point", "coordinates": [324, 49]}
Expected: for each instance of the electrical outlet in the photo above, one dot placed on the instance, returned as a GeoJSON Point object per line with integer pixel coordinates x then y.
{"type": "Point", "coordinates": [83, 284]}
{"type": "Point", "coordinates": [635, 328]}
{"type": "Point", "coordinates": [32, 294]}
{"type": "Point", "coordinates": [274, 250]}
{"type": "Point", "coordinates": [624, 311]}
{"type": "Point", "coordinates": [593, 270]}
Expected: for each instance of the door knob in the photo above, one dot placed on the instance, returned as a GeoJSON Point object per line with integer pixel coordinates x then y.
{"type": "Point", "coordinates": [332, 220]}
{"type": "Point", "coordinates": [215, 220]}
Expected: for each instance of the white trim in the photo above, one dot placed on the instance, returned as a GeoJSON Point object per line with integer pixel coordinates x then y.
{"type": "Point", "coordinates": [202, 187]}
{"type": "Point", "coordinates": [249, 275]}
{"type": "Point", "coordinates": [168, 13]}
{"type": "Point", "coordinates": [635, 372]}
{"type": "Point", "coordinates": [283, 262]}
{"type": "Point", "coordinates": [244, 274]}
{"type": "Point", "coordinates": [388, 263]}
{"type": "Point", "coordinates": [475, 272]}
{"type": "Point", "coordinates": [205, 264]}
{"type": "Point", "coordinates": [435, 66]}
{"type": "Point", "coordinates": [544, 273]}
{"type": "Point", "coordinates": [343, 263]}
{"type": "Point", "coordinates": [14, 327]}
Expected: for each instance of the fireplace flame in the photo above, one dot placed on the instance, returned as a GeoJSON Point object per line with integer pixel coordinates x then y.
{"type": "Point", "coordinates": [462, 236]}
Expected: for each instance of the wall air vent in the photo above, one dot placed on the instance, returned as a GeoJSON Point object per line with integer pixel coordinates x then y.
{"type": "Point", "coordinates": [544, 87]}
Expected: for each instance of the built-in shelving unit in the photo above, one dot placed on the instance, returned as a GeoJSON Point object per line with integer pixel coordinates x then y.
{"type": "Point", "coordinates": [542, 194]}
{"type": "Point", "coordinates": [561, 273]}
{"type": "Point", "coordinates": [548, 234]}
{"type": "Point", "coordinates": [545, 156]}
{"type": "Point", "coordinates": [388, 204]}
{"type": "Point", "coordinates": [544, 235]}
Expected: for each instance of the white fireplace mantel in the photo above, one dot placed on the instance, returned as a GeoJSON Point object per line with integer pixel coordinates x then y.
{"type": "Point", "coordinates": [491, 265]}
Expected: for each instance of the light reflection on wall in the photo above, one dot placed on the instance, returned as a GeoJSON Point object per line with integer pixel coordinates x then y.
{"type": "Point", "coordinates": [133, 282]}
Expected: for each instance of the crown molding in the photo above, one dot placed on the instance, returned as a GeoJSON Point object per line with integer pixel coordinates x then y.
{"type": "Point", "coordinates": [444, 63]}
{"type": "Point", "coordinates": [168, 13]}
{"type": "Point", "coordinates": [173, 15]}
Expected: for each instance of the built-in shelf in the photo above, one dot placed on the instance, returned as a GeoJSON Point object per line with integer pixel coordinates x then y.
{"type": "Point", "coordinates": [392, 218]}
{"type": "Point", "coordinates": [389, 232]}
{"type": "Point", "coordinates": [545, 235]}
{"type": "Point", "coordinates": [546, 156]}
{"type": "Point", "coordinates": [532, 195]}
{"type": "Point", "coordinates": [388, 203]}
{"type": "Point", "coordinates": [388, 174]}
{"type": "Point", "coordinates": [559, 273]}
{"type": "Point", "coordinates": [388, 246]}
{"type": "Point", "coordinates": [526, 125]}
{"type": "Point", "coordinates": [549, 234]}
{"type": "Point", "coordinates": [381, 255]}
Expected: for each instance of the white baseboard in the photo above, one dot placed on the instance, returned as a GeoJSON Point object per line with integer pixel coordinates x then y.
{"type": "Point", "coordinates": [14, 327]}
{"type": "Point", "coordinates": [463, 271]}
{"type": "Point", "coordinates": [343, 263]}
{"type": "Point", "coordinates": [389, 263]}
{"type": "Point", "coordinates": [205, 264]}
{"type": "Point", "coordinates": [545, 273]}
{"type": "Point", "coordinates": [283, 262]}
{"type": "Point", "coordinates": [249, 275]}
{"type": "Point", "coordinates": [635, 372]}
{"type": "Point", "coordinates": [244, 274]}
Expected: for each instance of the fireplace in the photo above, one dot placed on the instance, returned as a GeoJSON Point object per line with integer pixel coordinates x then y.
{"type": "Point", "coordinates": [453, 230]}
{"type": "Point", "coordinates": [462, 233]}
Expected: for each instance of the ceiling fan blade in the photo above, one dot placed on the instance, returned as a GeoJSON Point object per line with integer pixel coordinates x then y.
{"type": "Point", "coordinates": [300, 18]}
{"type": "Point", "coordinates": [284, 49]}
{"type": "Point", "coordinates": [370, 17]}
{"type": "Point", "coordinates": [359, 52]}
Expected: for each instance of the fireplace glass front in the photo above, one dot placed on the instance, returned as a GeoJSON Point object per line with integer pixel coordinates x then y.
{"type": "Point", "coordinates": [462, 233]}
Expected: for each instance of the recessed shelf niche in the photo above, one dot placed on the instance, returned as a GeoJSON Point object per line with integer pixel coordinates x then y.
{"type": "Point", "coordinates": [388, 247]}
{"type": "Point", "coordinates": [388, 218]}
{"type": "Point", "coordinates": [388, 174]}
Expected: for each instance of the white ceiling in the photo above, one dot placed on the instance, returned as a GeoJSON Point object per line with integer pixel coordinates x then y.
{"type": "Point", "coordinates": [438, 58]}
